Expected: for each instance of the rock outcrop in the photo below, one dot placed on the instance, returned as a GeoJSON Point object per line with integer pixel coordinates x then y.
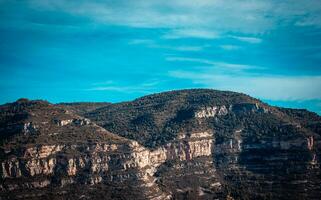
{"type": "Point", "coordinates": [211, 111]}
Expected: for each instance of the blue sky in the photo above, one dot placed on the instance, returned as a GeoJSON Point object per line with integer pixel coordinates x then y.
{"type": "Point", "coordinates": [116, 50]}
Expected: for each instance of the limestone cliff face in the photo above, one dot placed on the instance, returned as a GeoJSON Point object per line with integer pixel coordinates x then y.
{"type": "Point", "coordinates": [115, 164]}
{"type": "Point", "coordinates": [99, 163]}
{"type": "Point", "coordinates": [184, 145]}
{"type": "Point", "coordinates": [98, 158]}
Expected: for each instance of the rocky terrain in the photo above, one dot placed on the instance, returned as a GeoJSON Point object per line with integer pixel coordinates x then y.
{"type": "Point", "coordinates": [187, 144]}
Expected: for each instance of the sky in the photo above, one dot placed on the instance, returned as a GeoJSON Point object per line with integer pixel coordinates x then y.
{"type": "Point", "coordinates": [118, 50]}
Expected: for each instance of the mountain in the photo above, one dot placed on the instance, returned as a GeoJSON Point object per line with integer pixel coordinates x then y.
{"type": "Point", "coordinates": [186, 144]}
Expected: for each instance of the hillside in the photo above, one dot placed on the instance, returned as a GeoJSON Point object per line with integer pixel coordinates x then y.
{"type": "Point", "coordinates": [156, 119]}
{"type": "Point", "coordinates": [83, 107]}
{"type": "Point", "coordinates": [186, 144]}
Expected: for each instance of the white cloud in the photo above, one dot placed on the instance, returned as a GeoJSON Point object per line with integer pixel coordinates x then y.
{"type": "Point", "coordinates": [143, 88]}
{"type": "Point", "coordinates": [199, 18]}
{"type": "Point", "coordinates": [153, 44]}
{"type": "Point", "coordinates": [141, 41]}
{"type": "Point", "coordinates": [123, 89]}
{"type": "Point", "coordinates": [215, 64]}
{"type": "Point", "coordinates": [188, 48]}
{"type": "Point", "coordinates": [265, 87]}
{"type": "Point", "coordinates": [190, 33]}
{"type": "Point", "coordinates": [230, 47]}
{"type": "Point", "coordinates": [253, 40]}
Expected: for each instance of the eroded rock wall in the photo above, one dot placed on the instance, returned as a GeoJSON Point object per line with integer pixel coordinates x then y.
{"type": "Point", "coordinates": [98, 163]}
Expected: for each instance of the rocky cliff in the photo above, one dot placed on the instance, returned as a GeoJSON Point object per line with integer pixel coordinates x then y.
{"type": "Point", "coordinates": [189, 144]}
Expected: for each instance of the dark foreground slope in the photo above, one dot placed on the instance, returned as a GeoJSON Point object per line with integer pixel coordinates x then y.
{"type": "Point", "coordinates": [188, 144]}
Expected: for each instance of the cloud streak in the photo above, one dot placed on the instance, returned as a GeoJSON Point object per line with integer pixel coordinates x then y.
{"type": "Point", "coordinates": [191, 33]}
{"type": "Point", "coordinates": [153, 44]}
{"type": "Point", "coordinates": [214, 64]}
{"type": "Point", "coordinates": [142, 88]}
{"type": "Point", "coordinates": [202, 18]}
{"type": "Point", "coordinates": [253, 40]}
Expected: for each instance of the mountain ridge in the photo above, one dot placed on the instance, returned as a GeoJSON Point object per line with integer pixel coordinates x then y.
{"type": "Point", "coordinates": [187, 144]}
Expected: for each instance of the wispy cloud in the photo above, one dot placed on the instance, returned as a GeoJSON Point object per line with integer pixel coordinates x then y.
{"type": "Point", "coordinates": [142, 88]}
{"type": "Point", "coordinates": [253, 40]}
{"type": "Point", "coordinates": [230, 47]}
{"type": "Point", "coordinates": [261, 86]}
{"type": "Point", "coordinates": [153, 44]}
{"type": "Point", "coordinates": [108, 82]}
{"type": "Point", "coordinates": [248, 16]}
{"type": "Point", "coordinates": [216, 64]}
{"type": "Point", "coordinates": [123, 89]}
{"type": "Point", "coordinates": [188, 48]}
{"type": "Point", "coordinates": [190, 33]}
{"type": "Point", "coordinates": [141, 41]}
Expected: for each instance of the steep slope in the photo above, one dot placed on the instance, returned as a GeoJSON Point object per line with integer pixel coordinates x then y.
{"type": "Point", "coordinates": [188, 144]}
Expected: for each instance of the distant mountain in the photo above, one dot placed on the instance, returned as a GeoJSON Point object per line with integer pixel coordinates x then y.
{"type": "Point", "coordinates": [186, 144]}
